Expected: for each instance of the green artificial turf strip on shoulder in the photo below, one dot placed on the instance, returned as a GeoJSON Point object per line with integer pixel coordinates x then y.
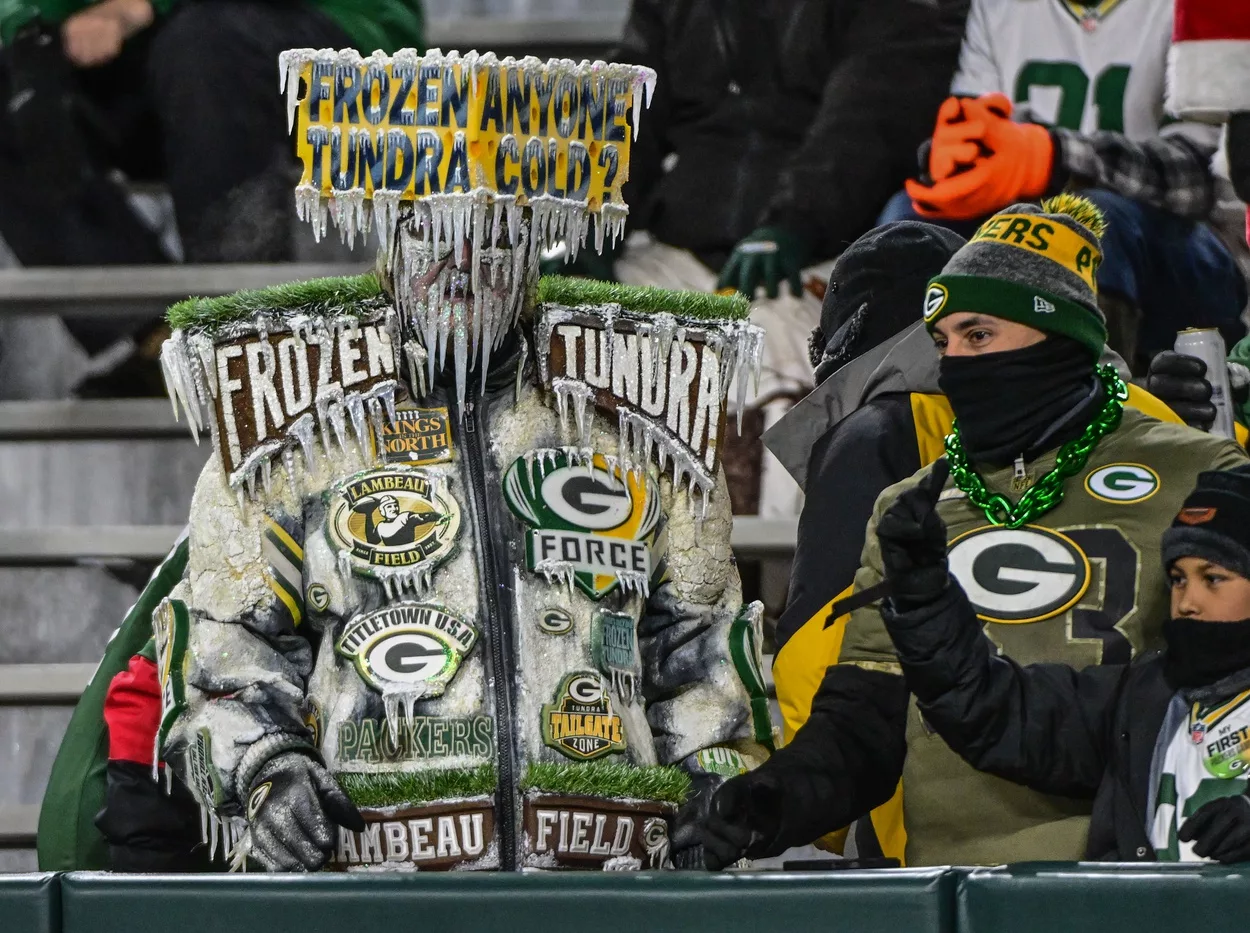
{"type": "Point", "coordinates": [316, 296]}
{"type": "Point", "coordinates": [643, 299]}
{"type": "Point", "coordinates": [395, 787]}
{"type": "Point", "coordinates": [609, 779]}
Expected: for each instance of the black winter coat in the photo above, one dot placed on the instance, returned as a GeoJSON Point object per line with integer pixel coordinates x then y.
{"type": "Point", "coordinates": [1087, 734]}
{"type": "Point", "coordinates": [800, 113]}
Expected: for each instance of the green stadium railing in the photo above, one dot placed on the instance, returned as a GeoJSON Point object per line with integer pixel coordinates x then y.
{"type": "Point", "coordinates": [1089, 897]}
{"type": "Point", "coordinates": [1027, 898]}
{"type": "Point", "coordinates": [30, 903]}
{"type": "Point", "coordinates": [905, 901]}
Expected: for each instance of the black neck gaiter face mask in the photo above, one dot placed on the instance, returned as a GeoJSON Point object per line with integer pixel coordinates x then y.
{"type": "Point", "coordinates": [1021, 402]}
{"type": "Point", "coordinates": [1200, 653]}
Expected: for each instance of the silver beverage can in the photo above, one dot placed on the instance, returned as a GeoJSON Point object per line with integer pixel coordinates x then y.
{"type": "Point", "coordinates": [1206, 344]}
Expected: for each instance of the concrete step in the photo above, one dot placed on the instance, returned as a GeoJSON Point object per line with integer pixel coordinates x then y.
{"type": "Point", "coordinates": [93, 291]}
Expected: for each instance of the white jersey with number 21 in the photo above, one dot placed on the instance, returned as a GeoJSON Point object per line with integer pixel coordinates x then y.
{"type": "Point", "coordinates": [1085, 68]}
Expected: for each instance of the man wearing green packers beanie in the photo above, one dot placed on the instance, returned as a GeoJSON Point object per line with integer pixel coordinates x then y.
{"type": "Point", "coordinates": [1055, 501]}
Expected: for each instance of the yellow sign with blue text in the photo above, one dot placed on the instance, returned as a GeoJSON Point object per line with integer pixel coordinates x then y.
{"type": "Point", "coordinates": [417, 126]}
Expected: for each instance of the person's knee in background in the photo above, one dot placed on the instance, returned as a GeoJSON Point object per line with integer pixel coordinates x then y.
{"type": "Point", "coordinates": [1162, 273]}
{"type": "Point", "coordinates": [212, 80]}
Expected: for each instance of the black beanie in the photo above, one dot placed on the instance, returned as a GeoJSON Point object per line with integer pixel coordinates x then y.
{"type": "Point", "coordinates": [1214, 522]}
{"type": "Point", "coordinates": [877, 289]}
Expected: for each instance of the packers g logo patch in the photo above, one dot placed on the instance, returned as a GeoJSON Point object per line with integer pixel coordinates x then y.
{"type": "Point", "coordinates": [1122, 482]}
{"type": "Point", "coordinates": [1018, 575]}
{"type": "Point", "coordinates": [412, 649]}
{"type": "Point", "coordinates": [591, 523]}
{"type": "Point", "coordinates": [935, 300]}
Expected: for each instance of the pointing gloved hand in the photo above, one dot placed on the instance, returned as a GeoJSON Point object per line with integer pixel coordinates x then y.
{"type": "Point", "coordinates": [744, 820]}
{"type": "Point", "coordinates": [291, 810]}
{"type": "Point", "coordinates": [1179, 381]}
{"type": "Point", "coordinates": [765, 257]}
{"type": "Point", "coordinates": [912, 537]}
{"type": "Point", "coordinates": [1220, 829]}
{"type": "Point", "coordinates": [1012, 161]}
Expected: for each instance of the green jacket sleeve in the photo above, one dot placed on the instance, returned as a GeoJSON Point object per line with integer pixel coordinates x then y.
{"type": "Point", "coordinates": [68, 837]}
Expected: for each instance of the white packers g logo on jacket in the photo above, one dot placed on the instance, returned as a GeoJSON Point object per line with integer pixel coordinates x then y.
{"type": "Point", "coordinates": [1019, 574]}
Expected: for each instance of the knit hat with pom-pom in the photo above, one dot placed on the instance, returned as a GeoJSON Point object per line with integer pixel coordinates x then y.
{"type": "Point", "coordinates": [1033, 265]}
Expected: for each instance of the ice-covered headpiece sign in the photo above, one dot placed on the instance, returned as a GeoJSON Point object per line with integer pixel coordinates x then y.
{"type": "Point", "coordinates": [380, 130]}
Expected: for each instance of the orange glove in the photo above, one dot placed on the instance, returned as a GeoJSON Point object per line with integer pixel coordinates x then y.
{"type": "Point", "coordinates": [1017, 166]}
{"type": "Point", "coordinates": [956, 144]}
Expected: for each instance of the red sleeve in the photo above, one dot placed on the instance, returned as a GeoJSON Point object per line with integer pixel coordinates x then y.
{"type": "Point", "coordinates": [132, 712]}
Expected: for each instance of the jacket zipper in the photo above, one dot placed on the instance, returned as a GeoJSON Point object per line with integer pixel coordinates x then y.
{"type": "Point", "coordinates": [498, 620]}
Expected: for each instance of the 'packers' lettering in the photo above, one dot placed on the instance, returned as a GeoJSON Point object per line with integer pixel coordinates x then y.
{"type": "Point", "coordinates": [420, 738]}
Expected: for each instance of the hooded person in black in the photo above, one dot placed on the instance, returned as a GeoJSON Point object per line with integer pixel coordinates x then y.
{"type": "Point", "coordinates": [1161, 746]}
{"type": "Point", "coordinates": [874, 291]}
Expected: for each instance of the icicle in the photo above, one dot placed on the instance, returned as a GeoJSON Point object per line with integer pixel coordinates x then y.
{"type": "Point", "coordinates": [266, 475]}
{"type": "Point", "coordinates": [290, 64]}
{"type": "Point", "coordinates": [355, 406]}
{"type": "Point", "coordinates": [581, 393]}
{"type": "Point", "coordinates": [288, 464]}
{"type": "Point", "coordinates": [417, 360]}
{"type": "Point", "coordinates": [460, 350]}
{"type": "Point", "coordinates": [520, 369]}
{"type": "Point", "coordinates": [390, 704]}
{"type": "Point", "coordinates": [302, 429]}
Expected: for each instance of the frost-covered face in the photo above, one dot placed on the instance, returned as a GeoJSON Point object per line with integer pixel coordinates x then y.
{"type": "Point", "coordinates": [460, 280]}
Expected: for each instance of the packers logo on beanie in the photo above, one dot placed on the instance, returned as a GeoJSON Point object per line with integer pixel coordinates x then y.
{"type": "Point", "coordinates": [1033, 265]}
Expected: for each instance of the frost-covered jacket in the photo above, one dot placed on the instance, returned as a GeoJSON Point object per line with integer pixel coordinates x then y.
{"type": "Point", "coordinates": [510, 649]}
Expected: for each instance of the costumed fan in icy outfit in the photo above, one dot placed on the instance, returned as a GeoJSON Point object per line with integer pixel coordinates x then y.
{"type": "Point", "coordinates": [459, 577]}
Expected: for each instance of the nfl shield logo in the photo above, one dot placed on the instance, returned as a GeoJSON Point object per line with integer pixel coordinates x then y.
{"type": "Point", "coordinates": [1197, 732]}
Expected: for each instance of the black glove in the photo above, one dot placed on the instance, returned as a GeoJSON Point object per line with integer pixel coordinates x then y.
{"type": "Point", "coordinates": [1239, 153]}
{"type": "Point", "coordinates": [1179, 382]}
{"type": "Point", "coordinates": [291, 810]}
{"type": "Point", "coordinates": [912, 537]}
{"type": "Point", "coordinates": [744, 820]}
{"type": "Point", "coordinates": [1220, 829]}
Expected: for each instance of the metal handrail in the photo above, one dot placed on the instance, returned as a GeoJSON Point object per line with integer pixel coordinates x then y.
{"type": "Point", "coordinates": [17, 825]}
{"type": "Point", "coordinates": [97, 291]}
{"type": "Point", "coordinates": [59, 546]}
{"type": "Point", "coordinates": [43, 684]}
{"type": "Point", "coordinates": [89, 419]}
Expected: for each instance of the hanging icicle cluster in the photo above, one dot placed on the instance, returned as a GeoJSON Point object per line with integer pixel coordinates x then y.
{"type": "Point", "coordinates": [265, 386]}
{"type": "Point", "coordinates": [667, 380]}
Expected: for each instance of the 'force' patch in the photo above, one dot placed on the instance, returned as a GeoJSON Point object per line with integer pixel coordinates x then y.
{"type": "Point", "coordinates": [591, 522]}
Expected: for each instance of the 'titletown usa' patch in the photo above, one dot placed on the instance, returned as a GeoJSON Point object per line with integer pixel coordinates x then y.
{"type": "Point", "coordinates": [592, 523]}
{"type": "Point", "coordinates": [412, 648]}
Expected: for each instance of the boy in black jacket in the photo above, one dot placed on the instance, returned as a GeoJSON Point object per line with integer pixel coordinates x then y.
{"type": "Point", "coordinates": [1162, 745]}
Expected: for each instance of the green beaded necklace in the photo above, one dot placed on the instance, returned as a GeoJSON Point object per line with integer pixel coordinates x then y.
{"type": "Point", "coordinates": [1048, 491]}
